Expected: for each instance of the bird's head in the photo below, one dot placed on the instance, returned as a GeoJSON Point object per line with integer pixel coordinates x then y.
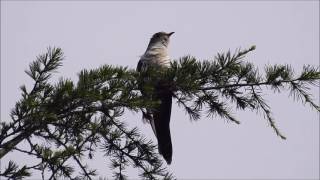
{"type": "Point", "coordinates": [160, 37]}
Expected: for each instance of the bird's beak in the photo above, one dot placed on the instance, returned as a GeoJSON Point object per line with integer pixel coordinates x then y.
{"type": "Point", "coordinates": [169, 34]}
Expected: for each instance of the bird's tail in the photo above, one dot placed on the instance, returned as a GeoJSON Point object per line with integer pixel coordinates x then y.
{"type": "Point", "coordinates": [161, 117]}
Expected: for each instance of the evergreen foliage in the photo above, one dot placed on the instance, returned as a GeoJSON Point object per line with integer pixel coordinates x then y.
{"type": "Point", "coordinates": [69, 121]}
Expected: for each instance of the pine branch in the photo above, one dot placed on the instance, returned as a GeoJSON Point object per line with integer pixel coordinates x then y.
{"type": "Point", "coordinates": [75, 119]}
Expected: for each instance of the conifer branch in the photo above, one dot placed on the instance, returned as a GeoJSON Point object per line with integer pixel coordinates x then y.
{"type": "Point", "coordinates": [77, 119]}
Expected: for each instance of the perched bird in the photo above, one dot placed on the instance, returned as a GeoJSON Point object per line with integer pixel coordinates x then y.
{"type": "Point", "coordinates": [156, 56]}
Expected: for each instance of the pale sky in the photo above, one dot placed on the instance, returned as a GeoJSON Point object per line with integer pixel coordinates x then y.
{"type": "Point", "coordinates": [116, 33]}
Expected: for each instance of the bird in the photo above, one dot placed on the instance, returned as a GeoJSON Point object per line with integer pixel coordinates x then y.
{"type": "Point", "coordinates": [156, 56]}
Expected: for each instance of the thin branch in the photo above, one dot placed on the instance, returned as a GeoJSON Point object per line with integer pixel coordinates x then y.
{"type": "Point", "coordinates": [247, 84]}
{"type": "Point", "coordinates": [267, 112]}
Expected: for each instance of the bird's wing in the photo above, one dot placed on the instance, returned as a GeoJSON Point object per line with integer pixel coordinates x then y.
{"type": "Point", "coordinates": [142, 65]}
{"type": "Point", "coordinates": [139, 65]}
{"type": "Point", "coordinates": [153, 126]}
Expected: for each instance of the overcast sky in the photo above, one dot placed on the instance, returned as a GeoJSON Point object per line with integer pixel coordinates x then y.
{"type": "Point", "coordinates": [96, 33]}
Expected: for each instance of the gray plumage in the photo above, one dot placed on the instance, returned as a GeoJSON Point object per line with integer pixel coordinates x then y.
{"type": "Point", "coordinates": [157, 56]}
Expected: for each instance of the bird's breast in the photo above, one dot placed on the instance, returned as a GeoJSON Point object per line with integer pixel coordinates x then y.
{"type": "Point", "coordinates": [157, 56]}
